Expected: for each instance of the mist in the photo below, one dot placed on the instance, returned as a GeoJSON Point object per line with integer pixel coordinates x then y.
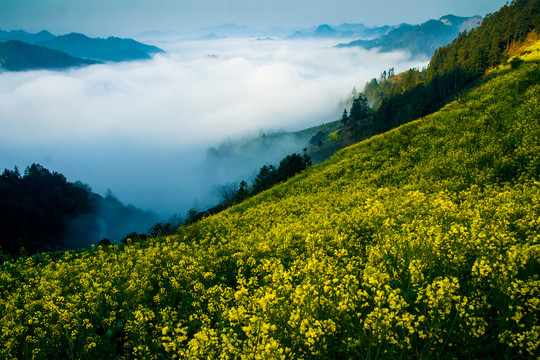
{"type": "Point", "coordinates": [143, 129]}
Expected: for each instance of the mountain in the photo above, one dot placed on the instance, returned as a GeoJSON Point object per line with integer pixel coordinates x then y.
{"type": "Point", "coordinates": [322, 31]}
{"type": "Point", "coordinates": [23, 51]}
{"type": "Point", "coordinates": [341, 31]}
{"type": "Point", "coordinates": [18, 56]}
{"type": "Point", "coordinates": [421, 39]}
{"type": "Point", "coordinates": [23, 36]}
{"type": "Point", "coordinates": [109, 49]}
{"type": "Point", "coordinates": [227, 30]}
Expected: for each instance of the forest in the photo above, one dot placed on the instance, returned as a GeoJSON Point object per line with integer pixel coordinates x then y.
{"type": "Point", "coordinates": [42, 211]}
{"type": "Point", "coordinates": [452, 71]}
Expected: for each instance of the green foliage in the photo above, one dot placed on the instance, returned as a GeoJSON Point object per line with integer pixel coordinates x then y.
{"type": "Point", "coordinates": [359, 109]}
{"type": "Point", "coordinates": [475, 51]}
{"type": "Point", "coordinates": [516, 62]}
{"type": "Point", "coordinates": [377, 90]}
{"type": "Point", "coordinates": [418, 243]}
{"type": "Point", "coordinates": [265, 179]}
{"type": "Point", "coordinates": [452, 70]}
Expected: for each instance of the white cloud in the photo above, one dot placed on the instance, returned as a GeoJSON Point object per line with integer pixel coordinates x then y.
{"type": "Point", "coordinates": [140, 128]}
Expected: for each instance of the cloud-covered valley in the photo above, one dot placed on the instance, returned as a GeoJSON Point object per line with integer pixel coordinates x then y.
{"type": "Point", "coordinates": [142, 129]}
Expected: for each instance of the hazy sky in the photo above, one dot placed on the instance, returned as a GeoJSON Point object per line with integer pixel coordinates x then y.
{"type": "Point", "coordinates": [124, 17]}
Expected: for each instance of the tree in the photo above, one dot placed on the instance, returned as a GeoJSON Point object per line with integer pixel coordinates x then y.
{"type": "Point", "coordinates": [243, 192]}
{"type": "Point", "coordinates": [359, 109]}
{"type": "Point", "coordinates": [37, 209]}
{"type": "Point", "coordinates": [228, 193]}
{"type": "Point", "coordinates": [344, 117]}
{"type": "Point", "coordinates": [264, 179]}
{"type": "Point", "coordinates": [516, 62]}
{"type": "Point", "coordinates": [320, 136]}
{"type": "Point", "coordinates": [289, 166]}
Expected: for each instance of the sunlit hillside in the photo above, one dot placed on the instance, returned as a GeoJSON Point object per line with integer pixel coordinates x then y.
{"type": "Point", "coordinates": [422, 242]}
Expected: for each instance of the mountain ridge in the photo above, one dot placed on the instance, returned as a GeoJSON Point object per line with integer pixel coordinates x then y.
{"type": "Point", "coordinates": [24, 36]}
{"type": "Point", "coordinates": [109, 49]}
{"type": "Point", "coordinates": [422, 39]}
{"type": "Point", "coordinates": [77, 46]}
{"type": "Point", "coordinates": [20, 56]}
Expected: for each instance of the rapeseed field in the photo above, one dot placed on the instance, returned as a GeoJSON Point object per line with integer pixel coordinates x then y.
{"type": "Point", "coordinates": [423, 242]}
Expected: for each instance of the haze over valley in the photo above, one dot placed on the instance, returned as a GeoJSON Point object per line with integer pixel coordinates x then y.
{"type": "Point", "coordinates": [164, 133]}
{"type": "Point", "coordinates": [124, 126]}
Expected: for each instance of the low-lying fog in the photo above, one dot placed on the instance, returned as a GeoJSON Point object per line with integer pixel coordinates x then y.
{"type": "Point", "coordinates": [142, 129]}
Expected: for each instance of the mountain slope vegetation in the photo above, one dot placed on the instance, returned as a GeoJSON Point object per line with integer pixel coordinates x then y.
{"type": "Point", "coordinates": [420, 242]}
{"type": "Point", "coordinates": [452, 71]}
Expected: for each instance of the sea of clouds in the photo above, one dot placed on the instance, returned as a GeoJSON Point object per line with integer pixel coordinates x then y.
{"type": "Point", "coordinates": [141, 129]}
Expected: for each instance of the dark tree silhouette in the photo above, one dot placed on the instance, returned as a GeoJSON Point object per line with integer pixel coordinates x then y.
{"type": "Point", "coordinates": [36, 209]}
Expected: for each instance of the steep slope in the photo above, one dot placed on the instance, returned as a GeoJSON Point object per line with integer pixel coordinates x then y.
{"type": "Point", "coordinates": [418, 243]}
{"type": "Point", "coordinates": [457, 67]}
{"type": "Point", "coordinates": [19, 56]}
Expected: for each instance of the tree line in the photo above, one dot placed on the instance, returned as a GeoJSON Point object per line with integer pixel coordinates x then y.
{"type": "Point", "coordinates": [267, 176]}
{"type": "Point", "coordinates": [396, 100]}
{"type": "Point", "coordinates": [41, 211]}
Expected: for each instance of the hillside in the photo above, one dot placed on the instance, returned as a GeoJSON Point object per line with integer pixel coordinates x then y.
{"type": "Point", "coordinates": [421, 39]}
{"type": "Point", "coordinates": [421, 242]}
{"type": "Point", "coordinates": [19, 56]}
{"type": "Point", "coordinates": [240, 158]}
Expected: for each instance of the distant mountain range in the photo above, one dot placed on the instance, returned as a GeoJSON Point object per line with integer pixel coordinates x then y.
{"type": "Point", "coordinates": [233, 30]}
{"type": "Point", "coordinates": [421, 39]}
{"type": "Point", "coordinates": [20, 50]}
{"type": "Point", "coordinates": [432, 32]}
{"type": "Point", "coordinates": [21, 35]}
{"type": "Point", "coordinates": [342, 31]}
{"type": "Point", "coordinates": [16, 55]}
{"type": "Point", "coordinates": [109, 49]}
